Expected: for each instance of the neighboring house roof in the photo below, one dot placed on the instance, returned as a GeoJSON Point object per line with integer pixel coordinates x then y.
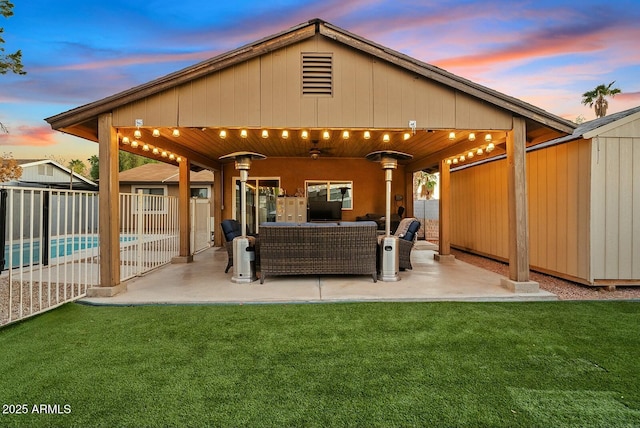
{"type": "Point", "coordinates": [162, 173]}
{"type": "Point", "coordinates": [79, 182]}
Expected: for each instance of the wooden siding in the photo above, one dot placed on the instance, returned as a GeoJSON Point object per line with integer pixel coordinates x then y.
{"type": "Point", "coordinates": [266, 92]}
{"type": "Point", "coordinates": [615, 212]}
{"type": "Point", "coordinates": [558, 201]}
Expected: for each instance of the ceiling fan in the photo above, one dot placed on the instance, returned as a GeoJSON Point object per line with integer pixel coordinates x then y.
{"type": "Point", "coordinates": [315, 151]}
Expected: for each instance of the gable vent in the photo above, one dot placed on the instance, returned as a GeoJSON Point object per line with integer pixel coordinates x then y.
{"type": "Point", "coordinates": [317, 74]}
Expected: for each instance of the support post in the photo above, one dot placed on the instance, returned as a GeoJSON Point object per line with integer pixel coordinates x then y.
{"type": "Point", "coordinates": [444, 222]}
{"type": "Point", "coordinates": [518, 218]}
{"type": "Point", "coordinates": [109, 211]}
{"type": "Point", "coordinates": [184, 196]}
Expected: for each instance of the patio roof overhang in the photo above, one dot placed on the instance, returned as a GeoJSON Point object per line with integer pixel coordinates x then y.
{"type": "Point", "coordinates": [203, 146]}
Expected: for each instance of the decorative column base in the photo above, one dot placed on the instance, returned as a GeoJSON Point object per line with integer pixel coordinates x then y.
{"type": "Point", "coordinates": [106, 291]}
{"type": "Point", "coordinates": [445, 258]}
{"type": "Point", "coordinates": [520, 286]}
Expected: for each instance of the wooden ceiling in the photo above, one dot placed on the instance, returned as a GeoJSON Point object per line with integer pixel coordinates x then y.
{"type": "Point", "coordinates": [204, 146]}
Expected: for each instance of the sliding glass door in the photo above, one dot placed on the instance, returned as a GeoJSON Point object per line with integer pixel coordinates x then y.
{"type": "Point", "coordinates": [261, 201]}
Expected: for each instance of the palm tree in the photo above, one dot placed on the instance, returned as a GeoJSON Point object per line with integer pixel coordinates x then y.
{"type": "Point", "coordinates": [596, 97]}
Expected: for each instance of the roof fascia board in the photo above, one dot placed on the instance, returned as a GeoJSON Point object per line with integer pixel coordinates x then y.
{"type": "Point", "coordinates": [446, 78]}
{"type": "Point", "coordinates": [247, 52]}
{"type": "Point", "coordinates": [612, 125]}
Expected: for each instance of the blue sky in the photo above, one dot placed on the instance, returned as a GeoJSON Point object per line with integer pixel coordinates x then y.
{"type": "Point", "coordinates": [544, 52]}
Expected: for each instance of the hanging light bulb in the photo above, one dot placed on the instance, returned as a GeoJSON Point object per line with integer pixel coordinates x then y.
{"type": "Point", "coordinates": [145, 147]}
{"type": "Point", "coordinates": [462, 158]}
{"type": "Point", "coordinates": [223, 134]}
{"type": "Point", "coordinates": [155, 151]}
{"type": "Point", "coordinates": [164, 154]}
{"type": "Point", "coordinates": [455, 161]}
{"type": "Point", "coordinates": [137, 134]}
{"type": "Point", "coordinates": [487, 138]}
{"type": "Point", "coordinates": [326, 135]}
{"type": "Point", "coordinates": [452, 136]}
{"type": "Point", "coordinates": [367, 135]}
{"type": "Point", "coordinates": [448, 161]}
{"type": "Point", "coordinates": [172, 156]}
{"type": "Point", "coordinates": [406, 136]}
{"type": "Point", "coordinates": [472, 137]}
{"type": "Point", "coordinates": [125, 140]}
{"type": "Point", "coordinates": [134, 144]}
{"type": "Point", "coordinates": [305, 135]}
{"type": "Point", "coordinates": [386, 138]}
{"type": "Point", "coordinates": [265, 133]}
{"type": "Point", "coordinates": [345, 135]}
{"type": "Point", "coordinates": [156, 133]}
{"type": "Point", "coordinates": [179, 159]}
{"type": "Point", "coordinates": [243, 133]}
{"type": "Point", "coordinates": [285, 134]}
{"type": "Point", "coordinates": [470, 155]}
{"type": "Point", "coordinates": [479, 152]}
{"type": "Point", "coordinates": [176, 132]}
{"type": "Point", "coordinates": [490, 148]}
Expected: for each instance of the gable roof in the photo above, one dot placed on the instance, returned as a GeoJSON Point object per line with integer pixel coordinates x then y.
{"type": "Point", "coordinates": [27, 163]}
{"type": "Point", "coordinates": [293, 35]}
{"type": "Point", "coordinates": [161, 173]}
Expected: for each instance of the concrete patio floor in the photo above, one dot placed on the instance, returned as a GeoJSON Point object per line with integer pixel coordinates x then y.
{"type": "Point", "coordinates": [204, 282]}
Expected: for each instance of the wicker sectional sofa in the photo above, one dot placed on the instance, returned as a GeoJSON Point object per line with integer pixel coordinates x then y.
{"type": "Point", "coordinates": [318, 249]}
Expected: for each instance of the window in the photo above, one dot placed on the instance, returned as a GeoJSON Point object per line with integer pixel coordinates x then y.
{"type": "Point", "coordinates": [317, 70]}
{"type": "Point", "coordinates": [200, 192]}
{"type": "Point", "coordinates": [45, 169]}
{"type": "Point", "coordinates": [153, 200]}
{"type": "Point", "coordinates": [331, 191]}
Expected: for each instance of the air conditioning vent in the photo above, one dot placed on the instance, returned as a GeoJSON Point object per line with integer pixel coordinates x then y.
{"type": "Point", "coordinates": [317, 74]}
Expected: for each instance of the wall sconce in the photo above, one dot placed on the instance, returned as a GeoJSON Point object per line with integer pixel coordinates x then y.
{"type": "Point", "coordinates": [265, 133]}
{"type": "Point", "coordinates": [326, 135]}
{"type": "Point", "coordinates": [125, 140]}
{"type": "Point", "coordinates": [386, 138]}
{"type": "Point", "coordinates": [223, 134]}
{"type": "Point", "coordinates": [305, 135]}
{"type": "Point", "coordinates": [156, 133]}
{"type": "Point", "coordinates": [145, 147]}
{"type": "Point", "coordinates": [345, 135]}
{"type": "Point", "coordinates": [285, 134]}
{"type": "Point", "coordinates": [176, 133]}
{"type": "Point", "coordinates": [452, 136]}
{"type": "Point", "coordinates": [487, 138]}
{"type": "Point", "coordinates": [243, 133]}
{"type": "Point", "coordinates": [472, 137]}
{"type": "Point", "coordinates": [367, 135]}
{"type": "Point", "coordinates": [137, 134]}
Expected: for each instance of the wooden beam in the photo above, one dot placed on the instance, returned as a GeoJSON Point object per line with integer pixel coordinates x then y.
{"type": "Point", "coordinates": [184, 198]}
{"type": "Point", "coordinates": [444, 223]}
{"type": "Point", "coordinates": [108, 199]}
{"type": "Point", "coordinates": [517, 201]}
{"type": "Point", "coordinates": [218, 193]}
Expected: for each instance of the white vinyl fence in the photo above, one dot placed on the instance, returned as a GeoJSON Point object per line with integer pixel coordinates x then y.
{"type": "Point", "coordinates": [51, 244]}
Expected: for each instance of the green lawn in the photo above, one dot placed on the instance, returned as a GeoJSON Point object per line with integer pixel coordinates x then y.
{"type": "Point", "coordinates": [550, 364]}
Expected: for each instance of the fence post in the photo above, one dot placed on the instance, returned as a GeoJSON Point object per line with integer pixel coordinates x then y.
{"type": "Point", "coordinates": [139, 230]}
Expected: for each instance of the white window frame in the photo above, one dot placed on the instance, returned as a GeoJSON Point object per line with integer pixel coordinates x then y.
{"type": "Point", "coordinates": [165, 193]}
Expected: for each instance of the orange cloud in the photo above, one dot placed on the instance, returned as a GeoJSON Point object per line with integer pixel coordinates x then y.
{"type": "Point", "coordinates": [29, 136]}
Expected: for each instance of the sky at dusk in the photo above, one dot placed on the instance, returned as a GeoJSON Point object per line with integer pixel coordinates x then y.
{"type": "Point", "coordinates": [546, 53]}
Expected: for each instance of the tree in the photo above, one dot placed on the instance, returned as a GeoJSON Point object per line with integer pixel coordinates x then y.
{"type": "Point", "coordinates": [424, 184]}
{"type": "Point", "coordinates": [8, 62]}
{"type": "Point", "coordinates": [9, 168]}
{"type": "Point", "coordinates": [94, 171]}
{"type": "Point", "coordinates": [596, 98]}
{"type": "Point", "coordinates": [77, 166]}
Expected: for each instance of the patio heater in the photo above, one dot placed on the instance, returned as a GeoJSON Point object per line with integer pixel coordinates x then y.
{"type": "Point", "coordinates": [244, 255]}
{"type": "Point", "coordinates": [389, 255]}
